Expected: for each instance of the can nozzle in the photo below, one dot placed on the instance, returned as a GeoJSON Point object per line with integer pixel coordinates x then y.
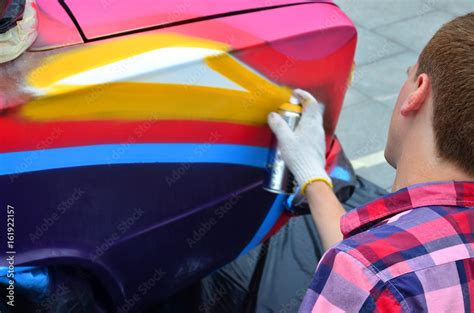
{"type": "Point", "coordinates": [294, 100]}
{"type": "Point", "coordinates": [292, 105]}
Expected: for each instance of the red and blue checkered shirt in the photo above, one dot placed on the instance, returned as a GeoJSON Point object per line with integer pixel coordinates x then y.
{"type": "Point", "coordinates": [410, 251]}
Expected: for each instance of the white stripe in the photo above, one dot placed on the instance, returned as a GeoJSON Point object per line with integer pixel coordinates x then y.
{"type": "Point", "coordinates": [153, 65]}
{"type": "Point", "coordinates": [370, 160]}
{"type": "Point", "coordinates": [197, 73]}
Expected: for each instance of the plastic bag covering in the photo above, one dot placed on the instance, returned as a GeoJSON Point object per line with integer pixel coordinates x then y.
{"type": "Point", "coordinates": [291, 258]}
{"type": "Point", "coordinates": [10, 14]}
{"type": "Point", "coordinates": [17, 29]}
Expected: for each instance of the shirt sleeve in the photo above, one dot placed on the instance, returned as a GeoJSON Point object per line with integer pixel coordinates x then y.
{"type": "Point", "coordinates": [341, 284]}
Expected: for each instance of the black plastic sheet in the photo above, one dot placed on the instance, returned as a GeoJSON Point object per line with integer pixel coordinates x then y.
{"type": "Point", "coordinates": [273, 277]}
{"type": "Point", "coordinates": [12, 13]}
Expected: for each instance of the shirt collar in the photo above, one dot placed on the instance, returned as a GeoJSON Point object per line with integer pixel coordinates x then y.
{"type": "Point", "coordinates": [450, 193]}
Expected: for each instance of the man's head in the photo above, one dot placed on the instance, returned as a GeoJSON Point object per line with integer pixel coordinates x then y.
{"type": "Point", "coordinates": [436, 102]}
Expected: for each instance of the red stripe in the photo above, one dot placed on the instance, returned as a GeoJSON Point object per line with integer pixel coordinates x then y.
{"type": "Point", "coordinates": [281, 221]}
{"type": "Point", "coordinates": [18, 135]}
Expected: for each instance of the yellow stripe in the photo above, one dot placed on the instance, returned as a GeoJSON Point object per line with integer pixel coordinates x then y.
{"type": "Point", "coordinates": [138, 100]}
{"type": "Point", "coordinates": [90, 56]}
{"type": "Point", "coordinates": [229, 67]}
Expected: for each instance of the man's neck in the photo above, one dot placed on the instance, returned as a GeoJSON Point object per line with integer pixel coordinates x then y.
{"type": "Point", "coordinates": [416, 169]}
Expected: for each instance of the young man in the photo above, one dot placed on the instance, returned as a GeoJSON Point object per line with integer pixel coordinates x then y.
{"type": "Point", "coordinates": [413, 250]}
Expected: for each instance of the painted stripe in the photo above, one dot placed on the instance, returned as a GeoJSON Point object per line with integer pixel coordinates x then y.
{"type": "Point", "coordinates": [38, 136]}
{"type": "Point", "coordinates": [30, 278]}
{"type": "Point", "coordinates": [140, 64]}
{"type": "Point", "coordinates": [61, 66]}
{"type": "Point", "coordinates": [169, 65]}
{"type": "Point", "coordinates": [341, 173]}
{"type": "Point", "coordinates": [273, 215]}
{"type": "Point", "coordinates": [29, 161]}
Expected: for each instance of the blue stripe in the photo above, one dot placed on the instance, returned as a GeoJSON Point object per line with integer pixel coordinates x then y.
{"type": "Point", "coordinates": [30, 161]}
{"type": "Point", "coordinates": [38, 160]}
{"type": "Point", "coordinates": [30, 278]}
{"type": "Point", "coordinates": [341, 173]}
{"type": "Point", "coordinates": [273, 215]}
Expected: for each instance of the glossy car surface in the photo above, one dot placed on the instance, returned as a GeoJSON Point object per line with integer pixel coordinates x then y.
{"type": "Point", "coordinates": [141, 140]}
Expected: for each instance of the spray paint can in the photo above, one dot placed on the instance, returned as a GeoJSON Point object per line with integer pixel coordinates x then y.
{"type": "Point", "coordinates": [278, 178]}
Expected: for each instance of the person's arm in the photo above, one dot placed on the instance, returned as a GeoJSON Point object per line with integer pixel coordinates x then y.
{"type": "Point", "coordinates": [304, 151]}
{"type": "Point", "coordinates": [326, 211]}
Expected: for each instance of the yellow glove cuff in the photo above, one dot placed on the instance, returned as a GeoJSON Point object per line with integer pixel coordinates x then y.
{"type": "Point", "coordinates": [312, 180]}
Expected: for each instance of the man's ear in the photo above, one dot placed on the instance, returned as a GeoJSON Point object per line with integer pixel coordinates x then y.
{"type": "Point", "coordinates": [418, 97]}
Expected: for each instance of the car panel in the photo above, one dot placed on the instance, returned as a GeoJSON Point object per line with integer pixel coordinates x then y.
{"type": "Point", "coordinates": [55, 27]}
{"type": "Point", "coordinates": [103, 18]}
{"type": "Point", "coordinates": [130, 146]}
{"type": "Point", "coordinates": [64, 23]}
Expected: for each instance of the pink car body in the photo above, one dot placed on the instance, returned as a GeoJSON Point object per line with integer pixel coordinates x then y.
{"type": "Point", "coordinates": [160, 106]}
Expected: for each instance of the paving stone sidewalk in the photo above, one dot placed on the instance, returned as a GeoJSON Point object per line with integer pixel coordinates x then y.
{"type": "Point", "coordinates": [391, 34]}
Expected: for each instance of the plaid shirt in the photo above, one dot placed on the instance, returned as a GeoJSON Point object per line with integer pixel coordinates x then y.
{"type": "Point", "coordinates": [410, 251]}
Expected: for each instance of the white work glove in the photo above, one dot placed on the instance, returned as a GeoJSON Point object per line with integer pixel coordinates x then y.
{"type": "Point", "coordinates": [304, 149]}
{"type": "Point", "coordinates": [19, 38]}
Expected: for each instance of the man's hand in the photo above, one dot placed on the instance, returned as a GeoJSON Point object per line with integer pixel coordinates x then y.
{"type": "Point", "coordinates": [303, 150]}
